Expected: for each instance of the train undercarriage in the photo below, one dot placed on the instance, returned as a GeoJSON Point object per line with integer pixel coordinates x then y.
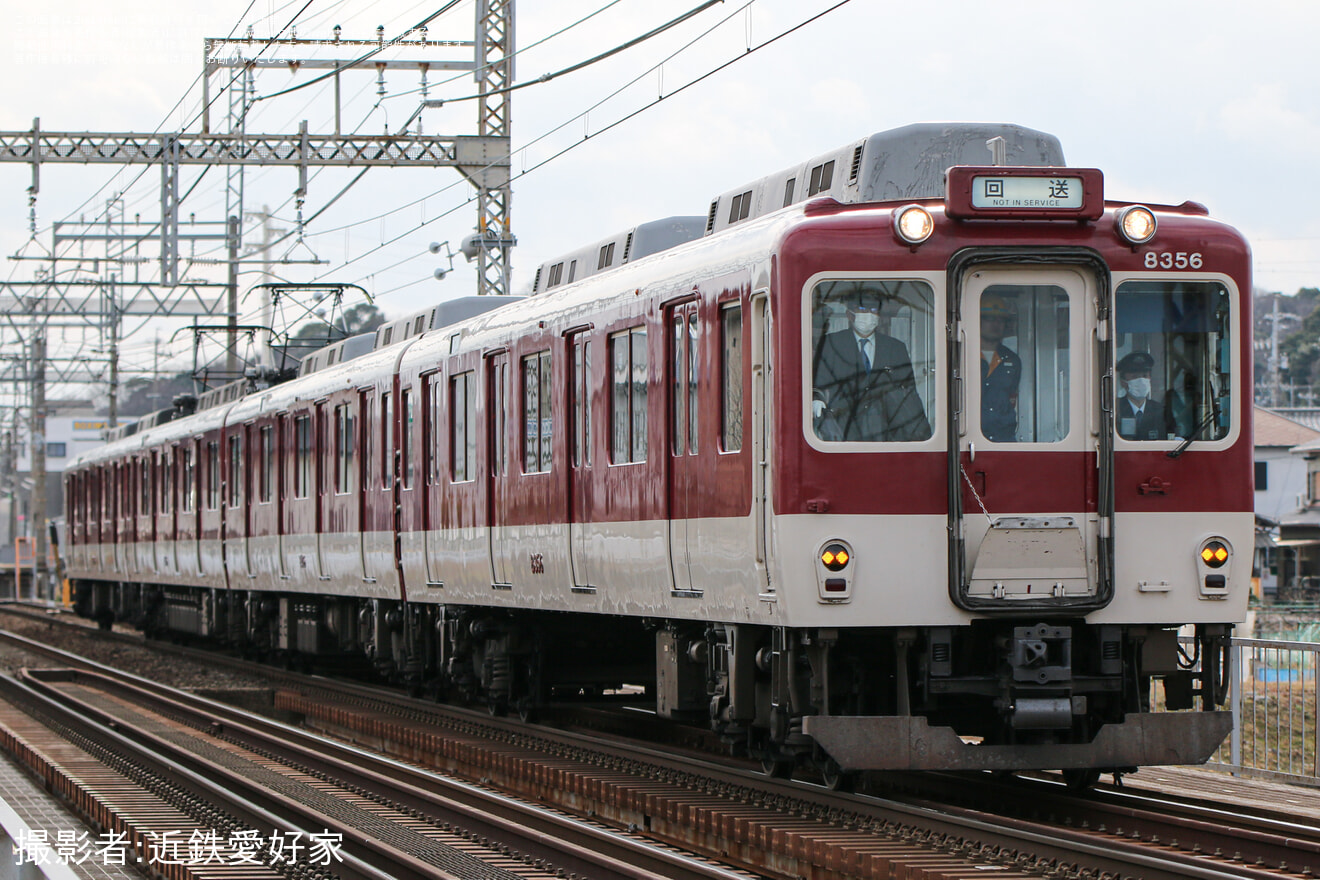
{"type": "Point", "coordinates": [994, 695]}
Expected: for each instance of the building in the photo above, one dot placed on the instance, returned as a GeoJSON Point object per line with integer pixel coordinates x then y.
{"type": "Point", "coordinates": [1295, 560]}
{"type": "Point", "coordinates": [67, 436]}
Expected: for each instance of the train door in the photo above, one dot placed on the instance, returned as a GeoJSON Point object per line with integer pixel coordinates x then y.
{"type": "Point", "coordinates": [761, 375]}
{"type": "Point", "coordinates": [358, 455]}
{"type": "Point", "coordinates": [189, 468]}
{"type": "Point", "coordinates": [117, 503]}
{"type": "Point", "coordinates": [150, 497]}
{"type": "Point", "coordinates": [498, 500]}
{"type": "Point", "coordinates": [284, 454]}
{"type": "Point", "coordinates": [242, 486]}
{"type": "Point", "coordinates": [682, 370]}
{"type": "Point", "coordinates": [580, 464]}
{"type": "Point", "coordinates": [320, 486]}
{"type": "Point", "coordinates": [432, 519]}
{"type": "Point", "coordinates": [1028, 496]}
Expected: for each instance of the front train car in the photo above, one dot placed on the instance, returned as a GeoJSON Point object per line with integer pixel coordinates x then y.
{"type": "Point", "coordinates": [1009, 507]}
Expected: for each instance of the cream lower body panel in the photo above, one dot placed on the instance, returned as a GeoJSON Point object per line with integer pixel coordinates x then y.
{"type": "Point", "coordinates": [1156, 575]}
{"type": "Point", "coordinates": [900, 575]}
{"type": "Point", "coordinates": [612, 568]}
{"type": "Point", "coordinates": [900, 571]}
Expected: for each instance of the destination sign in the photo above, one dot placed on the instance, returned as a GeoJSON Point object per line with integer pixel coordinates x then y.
{"type": "Point", "coordinates": [1032, 193]}
{"type": "Point", "coordinates": [1023, 192]}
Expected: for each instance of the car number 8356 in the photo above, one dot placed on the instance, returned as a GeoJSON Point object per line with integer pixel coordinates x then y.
{"type": "Point", "coordinates": [1171, 260]}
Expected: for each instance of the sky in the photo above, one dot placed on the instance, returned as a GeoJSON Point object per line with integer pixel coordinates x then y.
{"type": "Point", "coordinates": [1216, 102]}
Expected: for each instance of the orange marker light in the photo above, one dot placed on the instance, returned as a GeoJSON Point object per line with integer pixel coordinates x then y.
{"type": "Point", "coordinates": [835, 557]}
{"type": "Point", "coordinates": [1214, 554]}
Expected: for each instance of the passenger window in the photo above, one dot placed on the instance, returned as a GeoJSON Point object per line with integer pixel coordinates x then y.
{"type": "Point", "coordinates": [344, 431]}
{"type": "Point", "coordinates": [302, 469]}
{"type": "Point", "coordinates": [267, 474]}
{"type": "Point", "coordinates": [236, 472]}
{"type": "Point", "coordinates": [582, 402]}
{"type": "Point", "coordinates": [872, 360]}
{"type": "Point", "coordinates": [1024, 357]}
{"type": "Point", "coordinates": [406, 464]}
{"type": "Point", "coordinates": [1173, 366]}
{"type": "Point", "coordinates": [731, 385]}
{"type": "Point", "coordinates": [212, 466]}
{"type": "Point", "coordinates": [537, 417]}
{"type": "Point", "coordinates": [628, 357]}
{"type": "Point", "coordinates": [463, 446]}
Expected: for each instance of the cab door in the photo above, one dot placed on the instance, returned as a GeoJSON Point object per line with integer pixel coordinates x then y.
{"type": "Point", "coordinates": [1030, 467]}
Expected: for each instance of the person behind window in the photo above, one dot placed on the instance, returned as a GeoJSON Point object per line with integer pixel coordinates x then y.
{"type": "Point", "coordinates": [1180, 407]}
{"type": "Point", "coordinates": [863, 382]}
{"type": "Point", "coordinates": [1001, 372]}
{"type": "Point", "coordinates": [1139, 416]}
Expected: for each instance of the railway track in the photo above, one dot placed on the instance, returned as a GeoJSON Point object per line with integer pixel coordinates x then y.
{"type": "Point", "coordinates": [789, 830]}
{"type": "Point", "coordinates": [370, 817]}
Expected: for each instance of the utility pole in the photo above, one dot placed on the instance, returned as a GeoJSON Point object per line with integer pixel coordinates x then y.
{"type": "Point", "coordinates": [112, 327]}
{"type": "Point", "coordinates": [231, 342]}
{"type": "Point", "coordinates": [37, 522]}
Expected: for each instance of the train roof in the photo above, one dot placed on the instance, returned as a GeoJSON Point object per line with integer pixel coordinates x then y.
{"type": "Point", "coordinates": [903, 163]}
{"type": "Point", "coordinates": [631, 244]}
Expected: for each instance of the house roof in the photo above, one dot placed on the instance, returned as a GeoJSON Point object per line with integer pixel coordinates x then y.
{"type": "Point", "coordinates": [1272, 429]}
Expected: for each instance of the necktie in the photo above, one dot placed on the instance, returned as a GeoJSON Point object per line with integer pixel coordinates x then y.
{"type": "Point", "coordinates": [866, 361]}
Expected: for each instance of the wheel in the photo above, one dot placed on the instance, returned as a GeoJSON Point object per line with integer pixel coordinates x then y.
{"type": "Point", "coordinates": [835, 778]}
{"type": "Point", "coordinates": [1081, 779]}
{"type": "Point", "coordinates": [527, 710]}
{"type": "Point", "coordinates": [777, 768]}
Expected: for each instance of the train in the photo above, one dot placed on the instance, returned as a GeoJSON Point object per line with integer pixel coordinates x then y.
{"type": "Point", "coordinates": [924, 454]}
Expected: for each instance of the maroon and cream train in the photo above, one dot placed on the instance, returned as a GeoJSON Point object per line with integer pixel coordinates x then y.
{"type": "Point", "coordinates": [649, 473]}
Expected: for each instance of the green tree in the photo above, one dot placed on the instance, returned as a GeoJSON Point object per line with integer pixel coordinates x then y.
{"type": "Point", "coordinates": [1302, 346]}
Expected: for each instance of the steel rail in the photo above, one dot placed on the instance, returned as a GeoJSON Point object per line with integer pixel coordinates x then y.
{"type": "Point", "coordinates": [1119, 857]}
{"type": "Point", "coordinates": [584, 848]}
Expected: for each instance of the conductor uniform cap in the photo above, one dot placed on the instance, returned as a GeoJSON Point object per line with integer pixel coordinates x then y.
{"type": "Point", "coordinates": [1135, 362]}
{"type": "Point", "coordinates": [865, 300]}
{"type": "Point", "coordinates": [995, 306]}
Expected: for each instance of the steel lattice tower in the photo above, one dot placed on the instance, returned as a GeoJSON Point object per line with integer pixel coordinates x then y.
{"type": "Point", "coordinates": [494, 76]}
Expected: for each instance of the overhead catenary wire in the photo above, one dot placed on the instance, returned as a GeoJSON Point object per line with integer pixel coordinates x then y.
{"type": "Point", "coordinates": [704, 76]}
{"type": "Point", "coordinates": [540, 164]}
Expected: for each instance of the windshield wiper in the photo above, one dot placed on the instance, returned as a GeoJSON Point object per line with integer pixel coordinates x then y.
{"type": "Point", "coordinates": [1182, 447]}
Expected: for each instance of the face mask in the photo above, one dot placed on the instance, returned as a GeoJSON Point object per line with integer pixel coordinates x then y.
{"type": "Point", "coordinates": [865, 323]}
{"type": "Point", "coordinates": [1138, 388]}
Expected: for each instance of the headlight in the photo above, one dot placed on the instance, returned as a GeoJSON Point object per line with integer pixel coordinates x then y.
{"type": "Point", "coordinates": [1136, 224]}
{"type": "Point", "coordinates": [913, 224]}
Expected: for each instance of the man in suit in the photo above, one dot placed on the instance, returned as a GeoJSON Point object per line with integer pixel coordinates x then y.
{"type": "Point", "coordinates": [1139, 416]}
{"type": "Point", "coordinates": [1001, 371]}
{"type": "Point", "coordinates": [863, 386]}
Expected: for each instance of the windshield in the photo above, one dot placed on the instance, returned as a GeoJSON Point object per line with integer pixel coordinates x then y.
{"type": "Point", "coordinates": [872, 360]}
{"type": "Point", "coordinates": [1172, 371]}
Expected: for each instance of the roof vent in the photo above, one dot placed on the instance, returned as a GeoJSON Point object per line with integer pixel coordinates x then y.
{"type": "Point", "coordinates": [710, 220]}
